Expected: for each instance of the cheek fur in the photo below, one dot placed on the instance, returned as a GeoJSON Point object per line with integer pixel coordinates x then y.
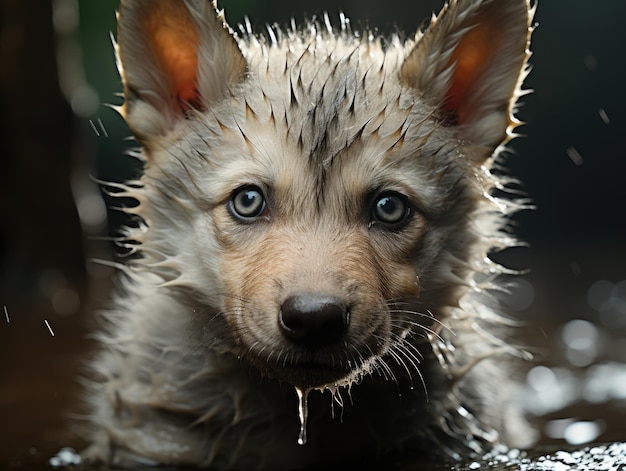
{"type": "Point", "coordinates": [400, 281]}
{"type": "Point", "coordinates": [396, 254]}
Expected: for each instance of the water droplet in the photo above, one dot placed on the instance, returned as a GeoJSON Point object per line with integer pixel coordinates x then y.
{"type": "Point", "coordinates": [578, 433]}
{"type": "Point", "coordinates": [575, 267]}
{"type": "Point", "coordinates": [522, 294]}
{"type": "Point", "coordinates": [556, 428]}
{"type": "Point", "coordinates": [575, 156]}
{"type": "Point", "coordinates": [599, 294]}
{"type": "Point", "coordinates": [91, 208]}
{"type": "Point", "coordinates": [65, 457]}
{"type": "Point", "coordinates": [582, 341]}
{"type": "Point", "coordinates": [303, 412]}
{"type": "Point", "coordinates": [580, 334]}
{"type": "Point", "coordinates": [552, 389]}
{"type": "Point", "coordinates": [590, 62]}
{"type": "Point", "coordinates": [605, 117]}
{"type": "Point", "coordinates": [618, 296]}
{"type": "Point", "coordinates": [65, 301]}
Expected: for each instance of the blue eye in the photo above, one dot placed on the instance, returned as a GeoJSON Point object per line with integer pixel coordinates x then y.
{"type": "Point", "coordinates": [391, 209]}
{"type": "Point", "coordinates": [247, 203]}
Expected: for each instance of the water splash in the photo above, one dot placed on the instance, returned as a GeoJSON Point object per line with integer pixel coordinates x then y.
{"type": "Point", "coordinates": [303, 412]}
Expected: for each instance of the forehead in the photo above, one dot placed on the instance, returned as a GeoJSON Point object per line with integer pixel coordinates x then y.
{"type": "Point", "coordinates": [312, 113]}
{"type": "Point", "coordinates": [324, 91]}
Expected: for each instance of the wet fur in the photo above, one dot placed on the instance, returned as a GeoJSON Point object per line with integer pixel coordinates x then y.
{"type": "Point", "coordinates": [194, 369]}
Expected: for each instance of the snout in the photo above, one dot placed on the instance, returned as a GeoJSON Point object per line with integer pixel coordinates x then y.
{"type": "Point", "coordinates": [312, 314]}
{"type": "Point", "coordinates": [314, 339]}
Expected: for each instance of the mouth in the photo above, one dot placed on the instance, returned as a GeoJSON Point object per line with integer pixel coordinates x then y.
{"type": "Point", "coordinates": [312, 375]}
{"type": "Point", "coordinates": [314, 369]}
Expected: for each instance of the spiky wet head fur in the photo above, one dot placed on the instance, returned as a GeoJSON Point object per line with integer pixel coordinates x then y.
{"type": "Point", "coordinates": [311, 168]}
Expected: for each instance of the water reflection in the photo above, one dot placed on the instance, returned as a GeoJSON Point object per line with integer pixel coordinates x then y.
{"type": "Point", "coordinates": [550, 389]}
{"type": "Point", "coordinates": [65, 457]}
{"type": "Point", "coordinates": [553, 389]}
{"type": "Point", "coordinates": [585, 431]}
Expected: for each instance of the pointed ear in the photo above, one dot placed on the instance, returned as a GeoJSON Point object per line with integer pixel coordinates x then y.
{"type": "Point", "coordinates": [173, 56]}
{"type": "Point", "coordinates": [471, 62]}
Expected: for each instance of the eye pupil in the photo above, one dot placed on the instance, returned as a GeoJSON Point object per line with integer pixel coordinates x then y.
{"type": "Point", "coordinates": [390, 209]}
{"type": "Point", "coordinates": [247, 203]}
{"type": "Point", "coordinates": [249, 199]}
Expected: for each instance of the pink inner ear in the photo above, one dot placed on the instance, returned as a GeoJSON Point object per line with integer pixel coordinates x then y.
{"type": "Point", "coordinates": [179, 61]}
{"type": "Point", "coordinates": [175, 40]}
{"type": "Point", "coordinates": [470, 58]}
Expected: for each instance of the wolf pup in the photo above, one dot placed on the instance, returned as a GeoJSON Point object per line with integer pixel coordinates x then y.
{"type": "Point", "coordinates": [316, 213]}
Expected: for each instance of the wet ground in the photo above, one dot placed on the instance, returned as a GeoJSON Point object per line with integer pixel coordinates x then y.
{"type": "Point", "coordinates": [575, 316]}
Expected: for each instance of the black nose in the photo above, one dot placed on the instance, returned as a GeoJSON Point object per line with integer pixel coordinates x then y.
{"type": "Point", "coordinates": [313, 320]}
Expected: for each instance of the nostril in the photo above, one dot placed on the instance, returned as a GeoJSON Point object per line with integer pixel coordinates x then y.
{"type": "Point", "coordinates": [313, 320]}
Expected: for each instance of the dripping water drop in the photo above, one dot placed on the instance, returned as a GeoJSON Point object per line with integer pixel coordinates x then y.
{"type": "Point", "coordinates": [303, 412]}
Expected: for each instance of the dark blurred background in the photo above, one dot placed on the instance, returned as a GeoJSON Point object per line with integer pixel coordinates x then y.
{"type": "Point", "coordinates": [57, 75]}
